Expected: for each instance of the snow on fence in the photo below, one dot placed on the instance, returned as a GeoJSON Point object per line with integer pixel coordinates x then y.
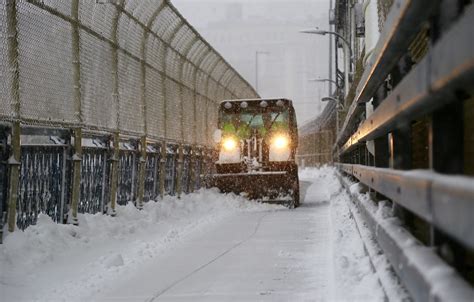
{"type": "Point", "coordinates": [103, 102]}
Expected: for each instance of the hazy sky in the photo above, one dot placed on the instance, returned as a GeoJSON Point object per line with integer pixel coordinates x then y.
{"type": "Point", "coordinates": [238, 29]}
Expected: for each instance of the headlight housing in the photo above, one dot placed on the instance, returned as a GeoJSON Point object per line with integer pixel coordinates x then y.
{"type": "Point", "coordinates": [230, 151]}
{"type": "Point", "coordinates": [280, 148]}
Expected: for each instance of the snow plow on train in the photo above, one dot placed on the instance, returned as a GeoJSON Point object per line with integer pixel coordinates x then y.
{"type": "Point", "coordinates": [256, 143]}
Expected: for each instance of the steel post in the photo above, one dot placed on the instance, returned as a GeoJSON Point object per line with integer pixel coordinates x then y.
{"type": "Point", "coordinates": [163, 169]}
{"type": "Point", "coordinates": [141, 172]}
{"type": "Point", "coordinates": [114, 174]}
{"type": "Point", "coordinates": [15, 157]}
{"type": "Point", "coordinates": [76, 181]}
{"type": "Point", "coordinates": [192, 170]}
{"type": "Point", "coordinates": [14, 175]}
{"type": "Point", "coordinates": [179, 172]}
{"type": "Point", "coordinates": [77, 156]}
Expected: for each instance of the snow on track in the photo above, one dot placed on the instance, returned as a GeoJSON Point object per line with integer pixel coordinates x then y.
{"type": "Point", "coordinates": [203, 247]}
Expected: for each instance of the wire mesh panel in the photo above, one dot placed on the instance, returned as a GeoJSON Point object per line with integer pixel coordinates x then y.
{"type": "Point", "coordinates": [200, 83]}
{"type": "Point", "coordinates": [131, 5]}
{"type": "Point", "coordinates": [3, 174]}
{"type": "Point", "coordinates": [5, 72]}
{"type": "Point", "coordinates": [173, 64]}
{"type": "Point", "coordinates": [93, 177]}
{"type": "Point", "coordinates": [197, 52]}
{"type": "Point", "coordinates": [131, 108]}
{"type": "Point", "coordinates": [188, 114]}
{"type": "Point", "coordinates": [155, 53]}
{"type": "Point", "coordinates": [155, 113]}
{"type": "Point", "coordinates": [145, 10]}
{"type": "Point", "coordinates": [46, 67]}
{"type": "Point", "coordinates": [187, 75]}
{"type": "Point", "coordinates": [219, 72]}
{"type": "Point", "coordinates": [201, 113]}
{"type": "Point", "coordinates": [41, 184]}
{"type": "Point", "coordinates": [46, 77]}
{"type": "Point", "coordinates": [220, 94]}
{"type": "Point", "coordinates": [211, 89]}
{"type": "Point", "coordinates": [130, 35]}
{"type": "Point", "coordinates": [166, 24]}
{"type": "Point", "coordinates": [61, 6]}
{"type": "Point", "coordinates": [211, 120]}
{"type": "Point", "coordinates": [98, 106]}
{"type": "Point", "coordinates": [97, 17]}
{"type": "Point", "coordinates": [227, 78]}
{"type": "Point", "coordinates": [173, 111]}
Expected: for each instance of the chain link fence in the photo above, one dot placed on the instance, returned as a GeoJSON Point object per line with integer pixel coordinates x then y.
{"type": "Point", "coordinates": [133, 90]}
{"type": "Point", "coordinates": [136, 67]}
{"type": "Point", "coordinates": [317, 137]}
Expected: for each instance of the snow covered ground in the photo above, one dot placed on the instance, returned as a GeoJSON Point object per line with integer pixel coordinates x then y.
{"type": "Point", "coordinates": [205, 246]}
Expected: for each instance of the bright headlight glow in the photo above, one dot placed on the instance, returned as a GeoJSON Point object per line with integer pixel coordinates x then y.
{"type": "Point", "coordinates": [280, 142]}
{"type": "Point", "coordinates": [280, 148]}
{"type": "Point", "coordinates": [229, 144]}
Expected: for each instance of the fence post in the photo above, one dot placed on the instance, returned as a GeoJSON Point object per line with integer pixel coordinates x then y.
{"type": "Point", "coordinates": [14, 166]}
{"type": "Point", "coordinates": [192, 169]}
{"type": "Point", "coordinates": [77, 157]}
{"type": "Point", "coordinates": [163, 169]}
{"type": "Point", "coordinates": [116, 136]}
{"type": "Point", "coordinates": [76, 181]}
{"type": "Point", "coordinates": [179, 174]}
{"type": "Point", "coordinates": [141, 172]}
{"type": "Point", "coordinates": [15, 158]}
{"type": "Point", "coordinates": [114, 174]}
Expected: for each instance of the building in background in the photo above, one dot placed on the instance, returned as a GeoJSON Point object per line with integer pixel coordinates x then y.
{"type": "Point", "coordinates": [238, 29]}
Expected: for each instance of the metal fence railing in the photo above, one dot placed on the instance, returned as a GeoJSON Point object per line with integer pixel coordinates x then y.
{"type": "Point", "coordinates": [414, 148]}
{"type": "Point", "coordinates": [100, 82]}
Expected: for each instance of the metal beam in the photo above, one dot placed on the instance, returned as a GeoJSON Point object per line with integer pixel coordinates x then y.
{"type": "Point", "coordinates": [446, 202]}
{"type": "Point", "coordinates": [430, 85]}
{"type": "Point", "coordinates": [403, 23]}
{"type": "Point", "coordinates": [412, 261]}
{"type": "Point", "coordinates": [116, 136]}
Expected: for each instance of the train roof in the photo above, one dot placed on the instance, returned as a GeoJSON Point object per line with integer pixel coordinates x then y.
{"type": "Point", "coordinates": [272, 101]}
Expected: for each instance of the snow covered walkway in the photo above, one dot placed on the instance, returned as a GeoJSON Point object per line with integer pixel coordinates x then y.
{"type": "Point", "coordinates": [204, 247]}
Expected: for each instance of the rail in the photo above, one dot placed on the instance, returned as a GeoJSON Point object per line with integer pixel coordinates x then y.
{"type": "Point", "coordinates": [414, 149]}
{"type": "Point", "coordinates": [405, 19]}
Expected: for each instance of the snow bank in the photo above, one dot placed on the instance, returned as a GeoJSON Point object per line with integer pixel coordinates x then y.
{"type": "Point", "coordinates": [353, 276]}
{"type": "Point", "coordinates": [50, 261]}
{"type": "Point", "coordinates": [384, 214]}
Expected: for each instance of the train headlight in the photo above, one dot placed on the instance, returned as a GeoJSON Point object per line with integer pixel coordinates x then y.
{"type": "Point", "coordinates": [229, 144]}
{"type": "Point", "coordinates": [280, 148]}
{"type": "Point", "coordinates": [230, 151]}
{"type": "Point", "coordinates": [280, 142]}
